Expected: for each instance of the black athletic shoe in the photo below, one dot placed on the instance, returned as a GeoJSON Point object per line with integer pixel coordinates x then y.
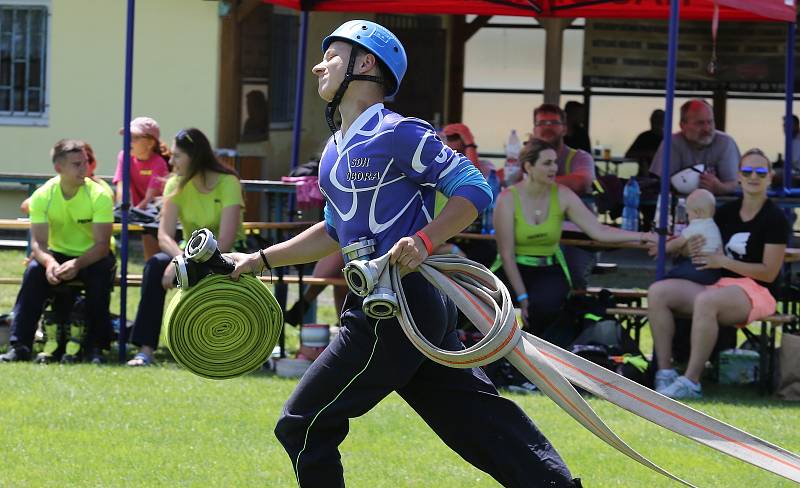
{"type": "Point", "coordinates": [45, 358]}
{"type": "Point", "coordinates": [97, 357]}
{"type": "Point", "coordinates": [16, 353]}
{"type": "Point", "coordinates": [293, 315]}
{"type": "Point", "coordinates": [70, 358]}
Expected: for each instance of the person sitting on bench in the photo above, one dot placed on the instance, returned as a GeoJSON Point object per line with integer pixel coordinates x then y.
{"type": "Point", "coordinates": [71, 222]}
{"type": "Point", "coordinates": [754, 233]}
{"type": "Point", "coordinates": [202, 193]}
{"type": "Point", "coordinates": [527, 222]}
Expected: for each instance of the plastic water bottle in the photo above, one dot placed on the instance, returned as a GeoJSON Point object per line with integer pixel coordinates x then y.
{"type": "Point", "coordinates": [494, 184]}
{"type": "Point", "coordinates": [513, 147]}
{"type": "Point", "coordinates": [488, 214]}
{"type": "Point", "coordinates": [630, 197]}
{"type": "Point", "coordinates": [681, 217]}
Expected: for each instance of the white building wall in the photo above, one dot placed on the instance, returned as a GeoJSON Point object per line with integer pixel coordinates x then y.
{"type": "Point", "coordinates": [175, 79]}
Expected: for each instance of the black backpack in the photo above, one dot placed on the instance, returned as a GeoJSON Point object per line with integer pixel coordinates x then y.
{"type": "Point", "coordinates": [605, 342]}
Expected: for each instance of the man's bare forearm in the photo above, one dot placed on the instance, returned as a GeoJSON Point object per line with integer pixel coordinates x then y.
{"type": "Point", "coordinates": [41, 254]}
{"type": "Point", "coordinates": [579, 183]}
{"type": "Point", "coordinates": [93, 255]}
{"type": "Point", "coordinates": [456, 215]}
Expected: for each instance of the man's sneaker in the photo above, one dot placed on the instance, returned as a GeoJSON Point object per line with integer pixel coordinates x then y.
{"type": "Point", "coordinates": [664, 378]}
{"type": "Point", "coordinates": [683, 388]}
{"type": "Point", "coordinates": [16, 353]}
{"type": "Point", "coordinates": [527, 388]}
{"type": "Point", "coordinates": [69, 359]}
{"type": "Point", "coordinates": [97, 357]}
{"type": "Point", "coordinates": [45, 358]}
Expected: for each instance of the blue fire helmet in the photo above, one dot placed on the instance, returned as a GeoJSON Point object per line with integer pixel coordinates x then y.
{"type": "Point", "coordinates": [377, 40]}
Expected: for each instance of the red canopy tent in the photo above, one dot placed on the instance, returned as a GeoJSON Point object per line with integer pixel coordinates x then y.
{"type": "Point", "coordinates": [754, 10]}
{"type": "Point", "coordinates": [674, 10]}
{"type": "Point", "coordinates": [729, 10]}
{"type": "Point", "coordinates": [775, 10]}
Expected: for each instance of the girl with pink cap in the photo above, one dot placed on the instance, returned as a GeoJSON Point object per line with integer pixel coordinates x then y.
{"type": "Point", "coordinates": [148, 171]}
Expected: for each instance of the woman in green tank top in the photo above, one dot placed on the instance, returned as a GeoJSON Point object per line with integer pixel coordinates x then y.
{"type": "Point", "coordinates": [527, 222]}
{"type": "Point", "coordinates": [202, 193]}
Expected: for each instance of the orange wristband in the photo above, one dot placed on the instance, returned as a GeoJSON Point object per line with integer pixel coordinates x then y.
{"type": "Point", "coordinates": [425, 240]}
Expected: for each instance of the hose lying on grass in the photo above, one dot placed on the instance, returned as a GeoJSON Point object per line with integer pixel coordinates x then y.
{"type": "Point", "coordinates": [484, 299]}
{"type": "Point", "coordinates": [220, 328]}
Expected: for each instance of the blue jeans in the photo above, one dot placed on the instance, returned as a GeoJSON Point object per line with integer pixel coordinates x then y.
{"type": "Point", "coordinates": [97, 279]}
{"type": "Point", "coordinates": [147, 327]}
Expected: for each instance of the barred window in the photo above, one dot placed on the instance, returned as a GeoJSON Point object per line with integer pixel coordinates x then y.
{"type": "Point", "coordinates": [283, 77]}
{"type": "Point", "coordinates": [23, 52]}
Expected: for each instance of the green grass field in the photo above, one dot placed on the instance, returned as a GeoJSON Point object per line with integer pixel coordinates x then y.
{"type": "Point", "coordinates": [112, 426]}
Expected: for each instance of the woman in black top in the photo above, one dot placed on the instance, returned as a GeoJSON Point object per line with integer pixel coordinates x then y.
{"type": "Point", "coordinates": [754, 232]}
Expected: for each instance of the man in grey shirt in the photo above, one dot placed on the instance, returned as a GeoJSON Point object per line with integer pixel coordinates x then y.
{"type": "Point", "coordinates": [699, 142]}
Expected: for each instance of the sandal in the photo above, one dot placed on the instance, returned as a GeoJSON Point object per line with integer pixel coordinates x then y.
{"type": "Point", "coordinates": [141, 359]}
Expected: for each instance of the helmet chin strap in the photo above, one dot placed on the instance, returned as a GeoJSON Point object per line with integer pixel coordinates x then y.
{"type": "Point", "coordinates": [330, 109]}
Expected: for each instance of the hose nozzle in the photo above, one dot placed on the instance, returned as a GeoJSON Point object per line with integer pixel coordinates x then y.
{"type": "Point", "coordinates": [381, 304]}
{"type": "Point", "coordinates": [200, 258]}
{"type": "Point", "coordinates": [362, 276]}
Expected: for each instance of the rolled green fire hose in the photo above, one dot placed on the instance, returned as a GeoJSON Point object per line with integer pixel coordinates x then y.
{"type": "Point", "coordinates": [220, 328]}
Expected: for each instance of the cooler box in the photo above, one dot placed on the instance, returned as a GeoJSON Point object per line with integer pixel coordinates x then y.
{"type": "Point", "coordinates": [738, 367]}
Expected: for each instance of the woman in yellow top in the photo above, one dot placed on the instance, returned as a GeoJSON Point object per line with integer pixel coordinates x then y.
{"type": "Point", "coordinates": [202, 193]}
{"type": "Point", "coordinates": [527, 222]}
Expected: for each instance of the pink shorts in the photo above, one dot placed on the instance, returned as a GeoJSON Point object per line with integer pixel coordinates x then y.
{"type": "Point", "coordinates": [761, 300]}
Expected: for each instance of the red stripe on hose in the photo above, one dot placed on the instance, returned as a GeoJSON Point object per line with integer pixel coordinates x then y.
{"type": "Point", "coordinates": [668, 412]}
{"type": "Point", "coordinates": [489, 319]}
{"type": "Point", "coordinates": [528, 362]}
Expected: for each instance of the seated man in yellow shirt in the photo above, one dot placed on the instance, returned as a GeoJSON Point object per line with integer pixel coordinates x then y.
{"type": "Point", "coordinates": [71, 222]}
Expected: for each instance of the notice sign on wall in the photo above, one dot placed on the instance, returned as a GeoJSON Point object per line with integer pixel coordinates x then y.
{"type": "Point", "coordinates": [633, 54]}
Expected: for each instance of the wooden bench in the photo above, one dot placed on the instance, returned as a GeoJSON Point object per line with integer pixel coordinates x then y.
{"type": "Point", "coordinates": [631, 297]}
{"type": "Point", "coordinates": [604, 268]}
{"type": "Point", "coordinates": [765, 339]}
{"type": "Point", "coordinates": [25, 224]}
{"type": "Point", "coordinates": [136, 280]}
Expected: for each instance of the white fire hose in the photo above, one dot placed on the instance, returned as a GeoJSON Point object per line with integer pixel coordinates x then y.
{"type": "Point", "coordinates": [486, 302]}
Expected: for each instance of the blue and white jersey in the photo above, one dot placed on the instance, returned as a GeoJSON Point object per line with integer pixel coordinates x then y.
{"type": "Point", "coordinates": [380, 180]}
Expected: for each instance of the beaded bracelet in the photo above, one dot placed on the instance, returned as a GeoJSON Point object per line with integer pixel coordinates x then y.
{"type": "Point", "coordinates": [524, 296]}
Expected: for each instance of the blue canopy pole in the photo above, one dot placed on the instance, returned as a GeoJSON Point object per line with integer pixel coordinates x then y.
{"type": "Point", "coordinates": [298, 95]}
{"type": "Point", "coordinates": [787, 120]}
{"type": "Point", "coordinates": [674, 21]}
{"type": "Point", "coordinates": [126, 162]}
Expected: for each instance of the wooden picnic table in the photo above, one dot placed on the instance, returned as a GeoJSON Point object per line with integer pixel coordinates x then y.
{"type": "Point", "coordinates": [25, 224]}
{"type": "Point", "coordinates": [791, 255]}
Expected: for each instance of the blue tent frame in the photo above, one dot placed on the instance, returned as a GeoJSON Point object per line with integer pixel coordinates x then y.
{"type": "Point", "coordinates": [126, 177]}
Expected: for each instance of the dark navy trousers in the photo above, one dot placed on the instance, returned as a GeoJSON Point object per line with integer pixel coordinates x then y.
{"type": "Point", "coordinates": [371, 358]}
{"type": "Point", "coordinates": [147, 327]}
{"type": "Point", "coordinates": [97, 279]}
